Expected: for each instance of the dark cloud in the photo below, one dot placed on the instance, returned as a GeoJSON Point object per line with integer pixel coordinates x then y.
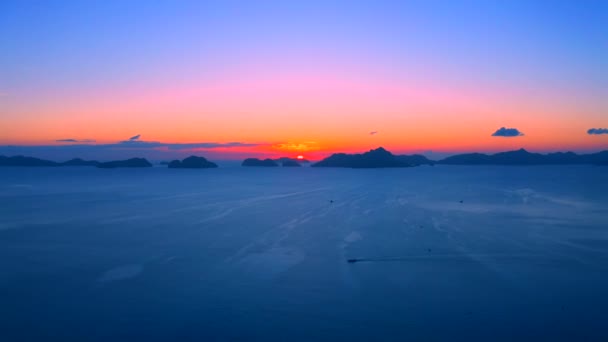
{"type": "Point", "coordinates": [373, 132]}
{"type": "Point", "coordinates": [139, 144]}
{"type": "Point", "coordinates": [76, 140]}
{"type": "Point", "coordinates": [71, 148]}
{"type": "Point", "coordinates": [133, 138]}
{"type": "Point", "coordinates": [136, 143]}
{"type": "Point", "coordinates": [507, 132]}
{"type": "Point", "coordinates": [596, 131]}
{"type": "Point", "coordinates": [209, 145]}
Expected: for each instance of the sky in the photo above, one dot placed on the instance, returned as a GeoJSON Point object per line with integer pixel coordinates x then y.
{"type": "Point", "coordinates": [233, 79]}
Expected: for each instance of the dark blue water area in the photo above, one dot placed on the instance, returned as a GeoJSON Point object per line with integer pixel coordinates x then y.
{"type": "Point", "coordinates": [441, 253]}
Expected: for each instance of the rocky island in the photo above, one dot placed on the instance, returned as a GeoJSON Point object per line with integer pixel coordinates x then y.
{"type": "Point", "coordinates": [192, 162]}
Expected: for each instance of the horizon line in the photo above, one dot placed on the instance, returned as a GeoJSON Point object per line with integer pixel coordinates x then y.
{"type": "Point", "coordinates": [426, 155]}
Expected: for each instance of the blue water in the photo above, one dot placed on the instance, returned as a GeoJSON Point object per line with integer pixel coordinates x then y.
{"type": "Point", "coordinates": [261, 254]}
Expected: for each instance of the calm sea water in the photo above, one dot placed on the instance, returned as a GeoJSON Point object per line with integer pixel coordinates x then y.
{"type": "Point", "coordinates": [450, 253]}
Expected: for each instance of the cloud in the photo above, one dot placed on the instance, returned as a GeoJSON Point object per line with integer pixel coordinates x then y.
{"type": "Point", "coordinates": [373, 132]}
{"type": "Point", "coordinates": [133, 145]}
{"type": "Point", "coordinates": [76, 140]}
{"type": "Point", "coordinates": [507, 132]}
{"type": "Point", "coordinates": [597, 131]}
{"type": "Point", "coordinates": [209, 145]}
{"type": "Point", "coordinates": [140, 144]}
{"type": "Point", "coordinates": [135, 137]}
{"type": "Point", "coordinates": [71, 148]}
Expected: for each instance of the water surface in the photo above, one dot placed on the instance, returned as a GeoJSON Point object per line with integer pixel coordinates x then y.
{"type": "Point", "coordinates": [451, 253]}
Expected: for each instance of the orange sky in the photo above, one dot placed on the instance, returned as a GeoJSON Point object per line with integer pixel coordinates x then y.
{"type": "Point", "coordinates": [314, 112]}
{"type": "Point", "coordinates": [311, 77]}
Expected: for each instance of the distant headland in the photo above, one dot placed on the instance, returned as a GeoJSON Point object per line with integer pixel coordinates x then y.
{"type": "Point", "coordinates": [36, 162]}
{"type": "Point", "coordinates": [31, 161]}
{"type": "Point", "coordinates": [523, 157]}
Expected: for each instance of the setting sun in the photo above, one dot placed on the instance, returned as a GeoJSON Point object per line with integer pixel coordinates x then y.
{"type": "Point", "coordinates": [300, 157]}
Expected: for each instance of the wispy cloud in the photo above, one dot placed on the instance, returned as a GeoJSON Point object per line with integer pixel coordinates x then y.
{"type": "Point", "coordinates": [373, 132]}
{"type": "Point", "coordinates": [507, 132]}
{"type": "Point", "coordinates": [136, 137]}
{"type": "Point", "coordinates": [140, 144]}
{"type": "Point", "coordinates": [75, 140]}
{"type": "Point", "coordinates": [597, 131]}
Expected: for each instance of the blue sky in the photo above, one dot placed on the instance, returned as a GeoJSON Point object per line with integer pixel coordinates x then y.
{"type": "Point", "coordinates": [57, 54]}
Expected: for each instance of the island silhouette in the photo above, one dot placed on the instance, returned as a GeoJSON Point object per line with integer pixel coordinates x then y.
{"type": "Point", "coordinates": [192, 162]}
{"type": "Point", "coordinates": [283, 161]}
{"type": "Point", "coordinates": [376, 158]}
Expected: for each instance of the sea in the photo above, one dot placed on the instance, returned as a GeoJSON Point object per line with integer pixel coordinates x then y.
{"type": "Point", "coordinates": [442, 253]}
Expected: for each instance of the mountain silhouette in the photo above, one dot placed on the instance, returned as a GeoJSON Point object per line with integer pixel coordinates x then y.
{"type": "Point", "coordinates": [192, 162]}
{"type": "Point", "coordinates": [467, 159]}
{"type": "Point", "coordinates": [133, 162]}
{"type": "Point", "coordinates": [259, 162]}
{"type": "Point", "coordinates": [378, 158]}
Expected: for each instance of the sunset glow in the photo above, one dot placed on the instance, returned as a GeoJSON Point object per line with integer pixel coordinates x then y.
{"type": "Point", "coordinates": [303, 170]}
{"type": "Point", "coordinates": [318, 91]}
